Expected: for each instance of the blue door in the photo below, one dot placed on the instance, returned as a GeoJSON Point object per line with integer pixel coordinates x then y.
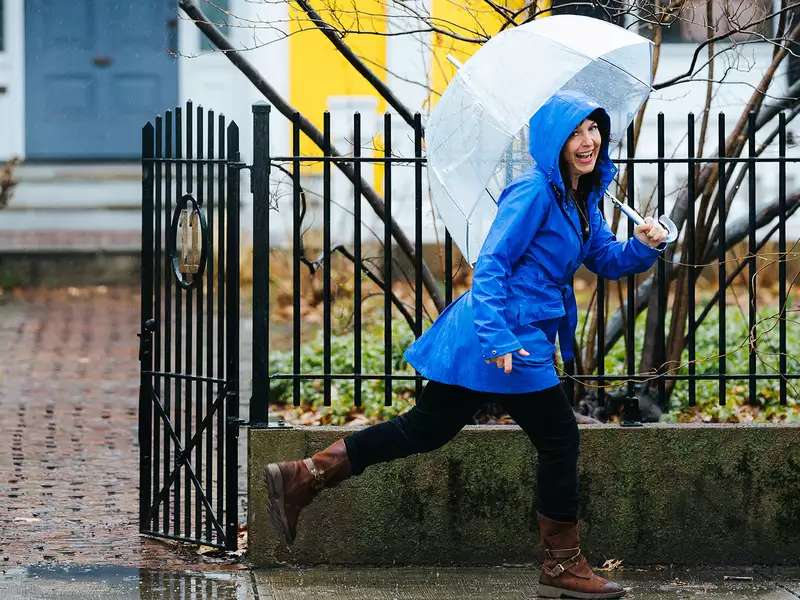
{"type": "Point", "coordinates": [95, 72]}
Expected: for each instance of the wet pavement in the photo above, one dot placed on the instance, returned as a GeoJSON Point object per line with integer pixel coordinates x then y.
{"type": "Point", "coordinates": [69, 463]}
{"type": "Point", "coordinates": [68, 487]}
{"type": "Point", "coordinates": [46, 582]}
{"type": "Point", "coordinates": [501, 583]}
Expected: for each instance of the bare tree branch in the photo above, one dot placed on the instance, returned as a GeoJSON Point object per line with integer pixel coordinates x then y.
{"type": "Point", "coordinates": [734, 234]}
{"type": "Point", "coordinates": [717, 38]}
{"type": "Point", "coordinates": [380, 87]}
{"type": "Point", "coordinates": [249, 71]}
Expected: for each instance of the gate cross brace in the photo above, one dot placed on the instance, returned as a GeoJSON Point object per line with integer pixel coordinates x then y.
{"type": "Point", "coordinates": [183, 458]}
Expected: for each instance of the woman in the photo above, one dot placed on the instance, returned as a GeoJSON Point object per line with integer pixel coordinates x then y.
{"type": "Point", "coordinates": [497, 341]}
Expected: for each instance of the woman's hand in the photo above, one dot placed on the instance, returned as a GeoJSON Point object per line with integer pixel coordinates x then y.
{"type": "Point", "coordinates": [650, 233]}
{"type": "Point", "coordinates": [504, 362]}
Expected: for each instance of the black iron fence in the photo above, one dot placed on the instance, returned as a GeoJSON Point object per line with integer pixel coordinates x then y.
{"type": "Point", "coordinates": [761, 234]}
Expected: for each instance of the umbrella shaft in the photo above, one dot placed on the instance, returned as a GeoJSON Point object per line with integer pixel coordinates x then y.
{"type": "Point", "coordinates": [627, 210]}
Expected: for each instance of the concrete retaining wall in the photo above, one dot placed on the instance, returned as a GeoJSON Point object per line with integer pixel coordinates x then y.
{"type": "Point", "coordinates": [724, 494]}
{"type": "Point", "coordinates": [53, 268]}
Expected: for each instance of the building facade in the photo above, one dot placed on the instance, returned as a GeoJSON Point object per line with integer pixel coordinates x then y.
{"type": "Point", "coordinates": [78, 79]}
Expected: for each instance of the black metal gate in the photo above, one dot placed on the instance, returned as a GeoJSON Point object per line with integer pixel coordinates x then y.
{"type": "Point", "coordinates": [189, 348]}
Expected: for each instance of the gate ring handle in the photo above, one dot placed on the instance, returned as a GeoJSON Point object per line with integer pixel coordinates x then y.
{"type": "Point", "coordinates": [172, 245]}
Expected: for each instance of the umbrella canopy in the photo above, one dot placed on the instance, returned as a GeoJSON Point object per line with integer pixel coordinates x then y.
{"type": "Point", "coordinates": [477, 136]}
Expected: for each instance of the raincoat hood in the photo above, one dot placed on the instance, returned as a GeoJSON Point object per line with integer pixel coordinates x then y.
{"type": "Point", "coordinates": [552, 125]}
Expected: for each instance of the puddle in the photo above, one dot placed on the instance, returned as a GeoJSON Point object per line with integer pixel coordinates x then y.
{"type": "Point", "coordinates": [45, 582]}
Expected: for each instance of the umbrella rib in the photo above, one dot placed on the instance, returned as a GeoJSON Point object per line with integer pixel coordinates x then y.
{"type": "Point", "coordinates": [453, 202]}
{"type": "Point", "coordinates": [629, 74]}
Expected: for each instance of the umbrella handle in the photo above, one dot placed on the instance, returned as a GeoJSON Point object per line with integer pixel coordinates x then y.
{"type": "Point", "coordinates": [628, 211]}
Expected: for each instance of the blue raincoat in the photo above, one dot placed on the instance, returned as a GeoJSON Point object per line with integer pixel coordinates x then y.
{"type": "Point", "coordinates": [521, 294]}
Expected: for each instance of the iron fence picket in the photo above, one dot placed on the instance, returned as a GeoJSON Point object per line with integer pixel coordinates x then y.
{"type": "Point", "coordinates": [418, 237]}
{"type": "Point", "coordinates": [387, 260]}
{"type": "Point", "coordinates": [157, 258]}
{"type": "Point", "coordinates": [448, 268]}
{"type": "Point", "coordinates": [357, 257]}
{"type": "Point", "coordinates": [222, 328]}
{"type": "Point", "coordinates": [259, 415]}
{"type": "Point", "coordinates": [189, 333]}
{"type": "Point", "coordinates": [661, 267]}
{"type": "Point", "coordinates": [326, 260]}
{"type": "Point", "coordinates": [782, 292]}
{"type": "Point", "coordinates": [600, 355]}
{"type": "Point", "coordinates": [721, 219]}
{"type": "Point", "coordinates": [232, 344]}
{"type": "Point", "coordinates": [692, 271]}
{"type": "Point", "coordinates": [168, 304]}
{"type": "Point", "coordinates": [630, 324]}
{"type": "Point", "coordinates": [209, 490]}
{"type": "Point", "coordinates": [146, 315]}
{"type": "Point", "coordinates": [296, 241]}
{"type": "Point", "coordinates": [752, 298]}
{"type": "Point", "coordinates": [199, 363]}
{"type": "Point", "coordinates": [179, 328]}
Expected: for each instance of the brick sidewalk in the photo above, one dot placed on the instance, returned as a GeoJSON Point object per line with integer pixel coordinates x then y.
{"type": "Point", "coordinates": [68, 411]}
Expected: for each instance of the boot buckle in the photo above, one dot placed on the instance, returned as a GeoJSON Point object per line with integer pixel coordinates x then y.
{"type": "Point", "coordinates": [319, 480]}
{"type": "Point", "coordinates": [561, 567]}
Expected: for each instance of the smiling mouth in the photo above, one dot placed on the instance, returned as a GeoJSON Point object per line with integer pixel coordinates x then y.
{"type": "Point", "coordinates": [584, 156]}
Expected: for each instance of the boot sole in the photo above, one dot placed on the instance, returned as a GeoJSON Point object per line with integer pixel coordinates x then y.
{"type": "Point", "coordinates": [275, 502]}
{"type": "Point", "coordinates": [548, 591]}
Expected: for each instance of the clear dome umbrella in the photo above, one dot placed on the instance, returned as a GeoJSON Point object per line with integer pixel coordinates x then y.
{"type": "Point", "coordinates": [477, 135]}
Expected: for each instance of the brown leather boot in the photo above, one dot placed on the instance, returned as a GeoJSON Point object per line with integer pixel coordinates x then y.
{"type": "Point", "coordinates": [292, 485]}
{"type": "Point", "coordinates": [565, 571]}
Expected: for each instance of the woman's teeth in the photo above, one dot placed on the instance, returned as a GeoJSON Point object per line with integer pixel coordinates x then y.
{"type": "Point", "coordinates": [584, 155]}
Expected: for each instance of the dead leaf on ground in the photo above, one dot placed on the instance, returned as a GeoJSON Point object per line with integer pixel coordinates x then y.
{"type": "Point", "coordinates": [205, 550]}
{"type": "Point", "coordinates": [27, 520]}
{"type": "Point", "coordinates": [611, 565]}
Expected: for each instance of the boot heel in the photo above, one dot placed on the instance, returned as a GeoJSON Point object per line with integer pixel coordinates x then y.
{"type": "Point", "coordinates": [275, 502]}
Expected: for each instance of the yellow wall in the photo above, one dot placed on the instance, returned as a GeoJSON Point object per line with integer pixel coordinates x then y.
{"type": "Point", "coordinates": [463, 18]}
{"type": "Point", "coordinates": [318, 71]}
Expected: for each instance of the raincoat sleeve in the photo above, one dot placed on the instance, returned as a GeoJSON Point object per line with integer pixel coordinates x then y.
{"type": "Point", "coordinates": [519, 215]}
{"type": "Point", "coordinates": [612, 259]}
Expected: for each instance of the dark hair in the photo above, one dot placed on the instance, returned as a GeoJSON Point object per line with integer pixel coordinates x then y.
{"type": "Point", "coordinates": [591, 180]}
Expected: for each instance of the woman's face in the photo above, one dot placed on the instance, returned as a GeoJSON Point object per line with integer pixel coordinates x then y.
{"type": "Point", "coordinates": [581, 149]}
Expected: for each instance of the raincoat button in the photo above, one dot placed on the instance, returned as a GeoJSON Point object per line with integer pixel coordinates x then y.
{"type": "Point", "coordinates": [494, 351]}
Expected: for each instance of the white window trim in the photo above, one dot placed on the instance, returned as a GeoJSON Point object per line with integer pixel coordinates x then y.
{"type": "Point", "coordinates": [12, 78]}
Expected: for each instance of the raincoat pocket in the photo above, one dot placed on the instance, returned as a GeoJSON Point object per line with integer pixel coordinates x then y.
{"type": "Point", "coordinates": [535, 336]}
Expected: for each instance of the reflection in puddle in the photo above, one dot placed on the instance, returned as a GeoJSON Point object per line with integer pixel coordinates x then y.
{"type": "Point", "coordinates": [155, 585]}
{"type": "Point", "coordinates": [112, 582]}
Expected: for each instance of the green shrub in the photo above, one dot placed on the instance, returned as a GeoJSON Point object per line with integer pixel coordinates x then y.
{"type": "Point", "coordinates": [767, 407]}
{"type": "Point", "coordinates": [342, 407]}
{"type": "Point", "coordinates": [737, 408]}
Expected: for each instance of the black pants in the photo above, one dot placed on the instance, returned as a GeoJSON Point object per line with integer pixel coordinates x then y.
{"type": "Point", "coordinates": [442, 410]}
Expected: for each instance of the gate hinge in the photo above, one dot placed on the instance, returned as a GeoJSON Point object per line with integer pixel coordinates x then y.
{"type": "Point", "coordinates": [237, 421]}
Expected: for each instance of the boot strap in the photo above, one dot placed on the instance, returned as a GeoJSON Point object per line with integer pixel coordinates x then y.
{"type": "Point", "coordinates": [563, 566]}
{"type": "Point", "coordinates": [319, 480]}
